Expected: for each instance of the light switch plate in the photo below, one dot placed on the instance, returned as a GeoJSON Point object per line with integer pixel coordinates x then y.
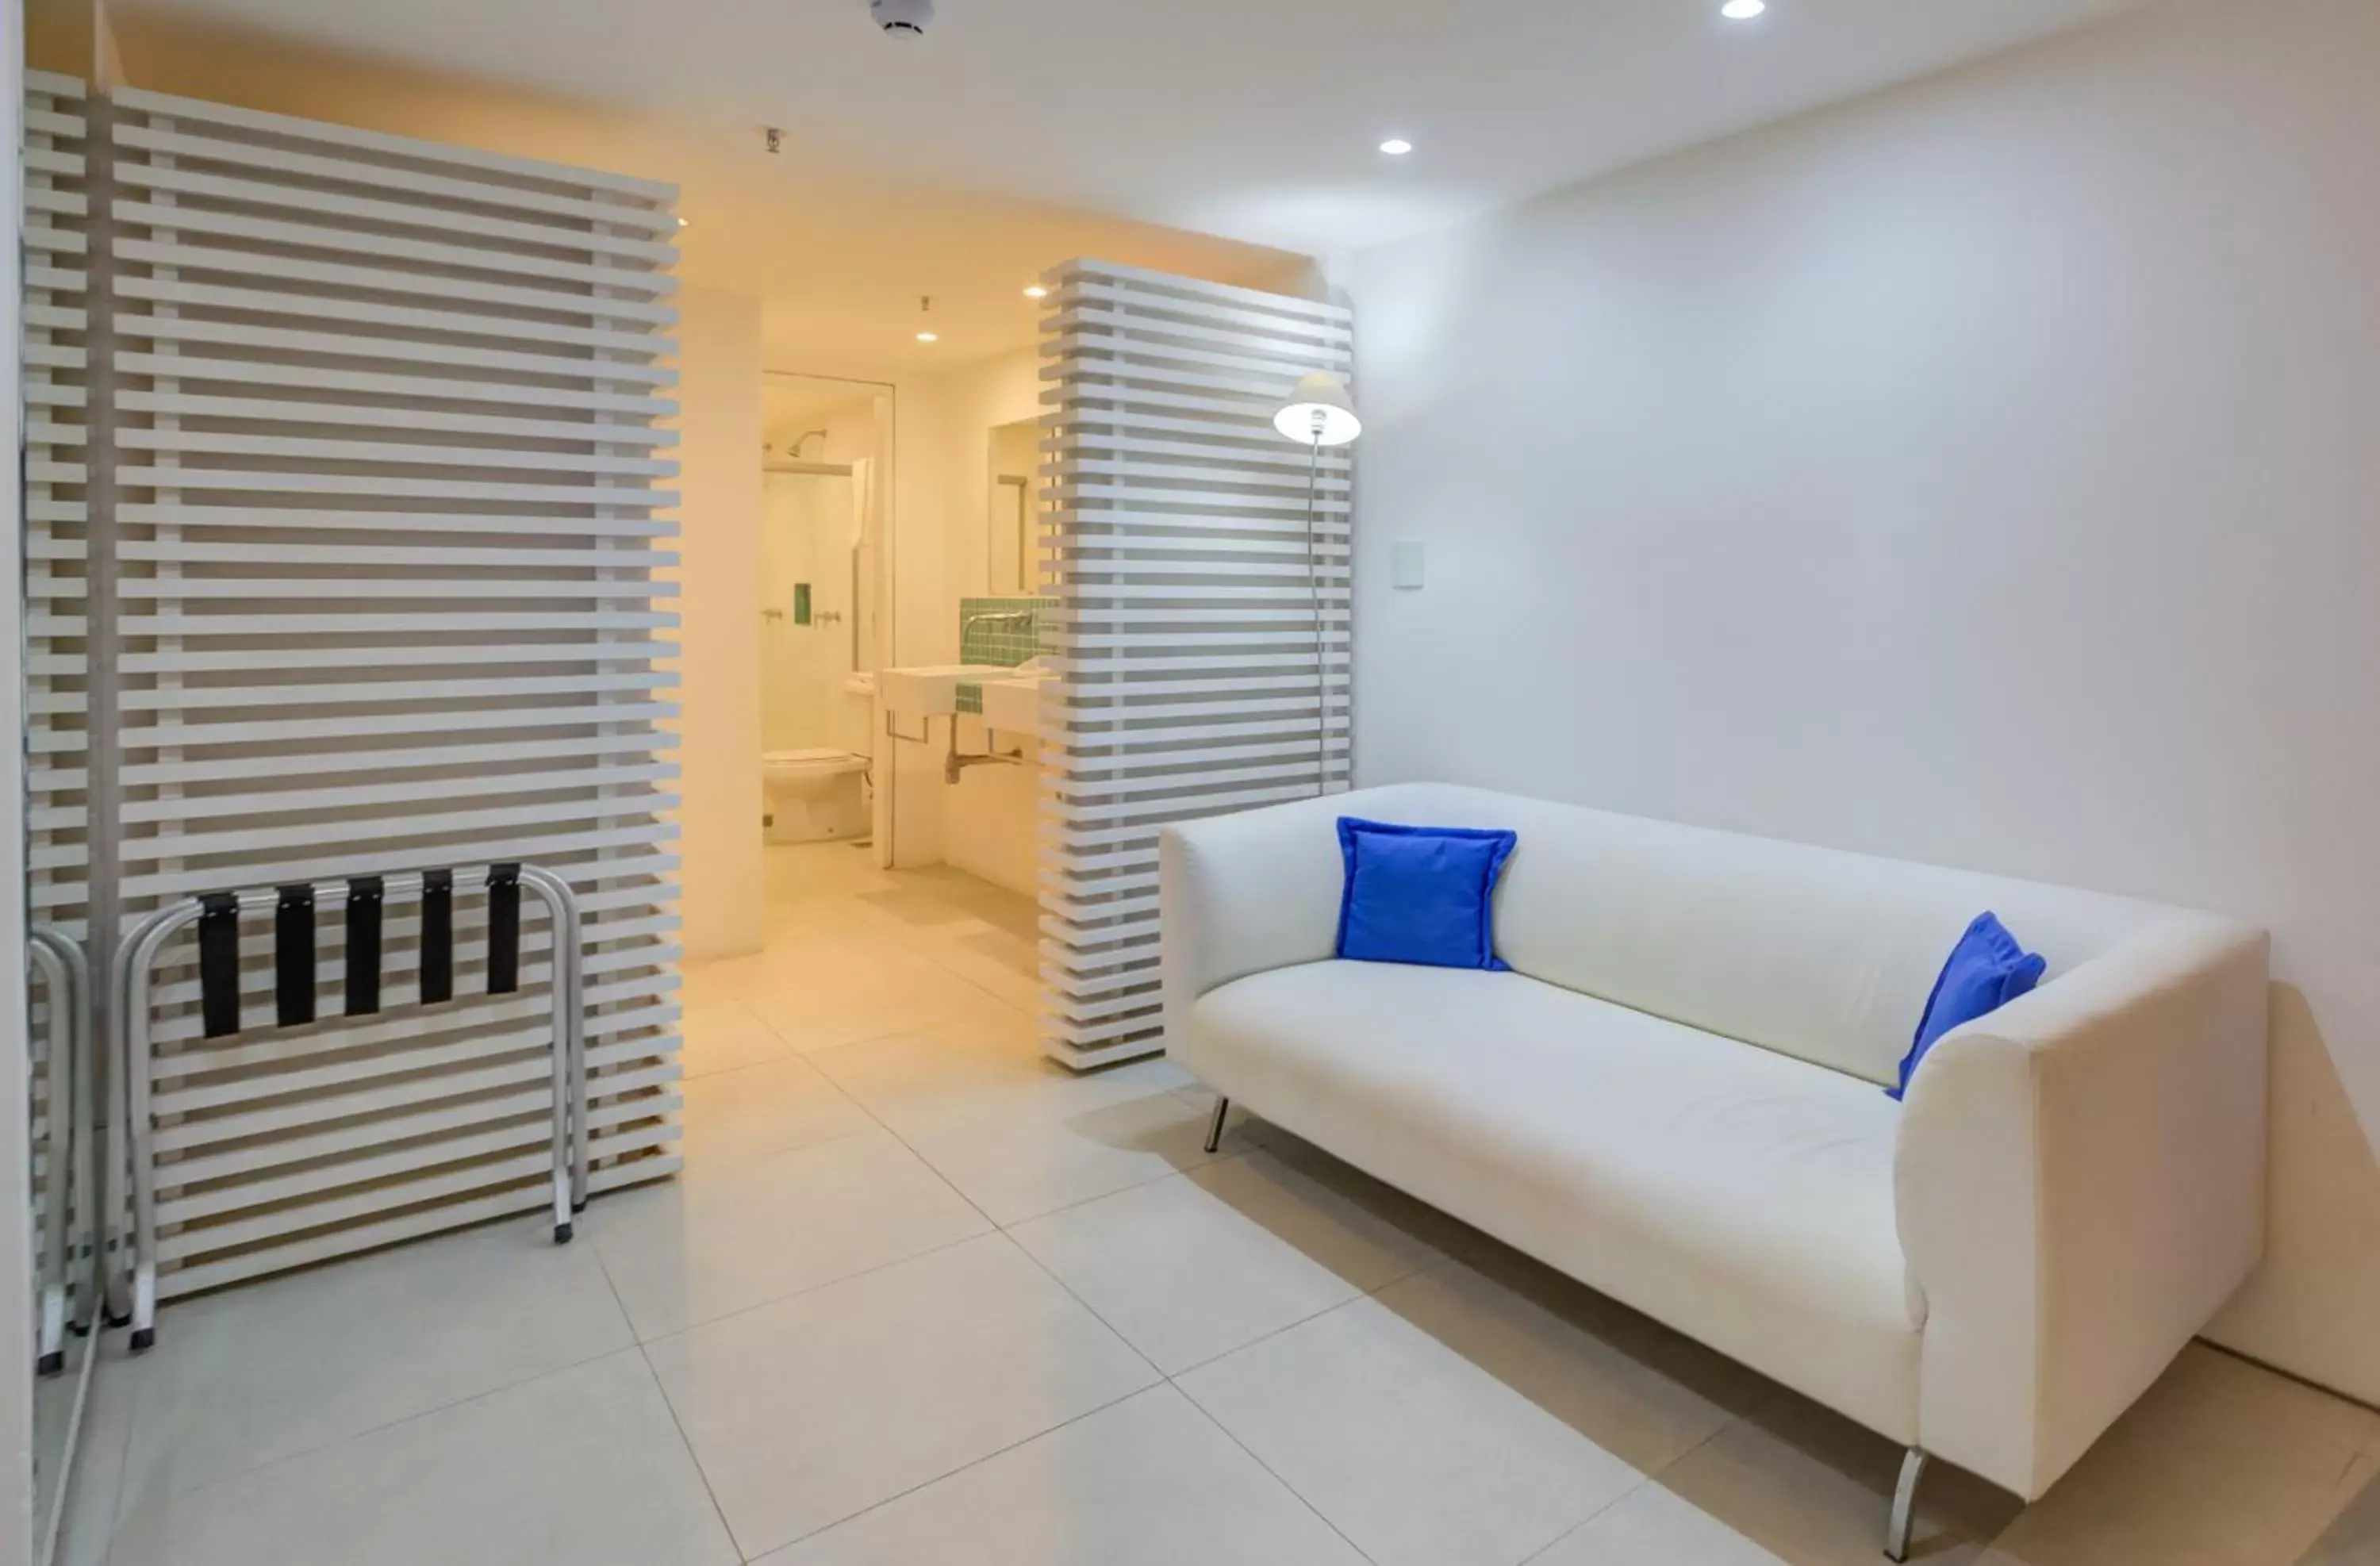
{"type": "Point", "coordinates": [1404, 564]}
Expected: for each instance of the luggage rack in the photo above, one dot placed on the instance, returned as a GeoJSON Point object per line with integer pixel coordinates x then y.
{"type": "Point", "coordinates": [70, 1202]}
{"type": "Point", "coordinates": [218, 914]}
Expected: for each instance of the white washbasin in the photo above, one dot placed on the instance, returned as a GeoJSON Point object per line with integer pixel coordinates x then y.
{"type": "Point", "coordinates": [931, 690]}
{"type": "Point", "coordinates": [1013, 706]}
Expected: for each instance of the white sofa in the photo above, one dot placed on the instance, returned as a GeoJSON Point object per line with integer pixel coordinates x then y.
{"type": "Point", "coordinates": [1675, 1096]}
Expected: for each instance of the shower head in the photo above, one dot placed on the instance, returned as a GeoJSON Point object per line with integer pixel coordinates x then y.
{"type": "Point", "coordinates": [804, 436]}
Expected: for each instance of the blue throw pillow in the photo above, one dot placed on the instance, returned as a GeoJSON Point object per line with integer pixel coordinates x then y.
{"type": "Point", "coordinates": [1987, 969]}
{"type": "Point", "coordinates": [1420, 894]}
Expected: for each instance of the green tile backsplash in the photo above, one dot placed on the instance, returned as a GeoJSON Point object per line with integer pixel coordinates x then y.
{"type": "Point", "coordinates": [1008, 641]}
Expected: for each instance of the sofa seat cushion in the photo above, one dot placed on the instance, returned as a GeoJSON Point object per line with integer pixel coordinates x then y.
{"type": "Point", "coordinates": [1743, 1197]}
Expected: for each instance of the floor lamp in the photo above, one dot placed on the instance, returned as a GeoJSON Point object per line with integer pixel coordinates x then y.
{"type": "Point", "coordinates": [1318, 413]}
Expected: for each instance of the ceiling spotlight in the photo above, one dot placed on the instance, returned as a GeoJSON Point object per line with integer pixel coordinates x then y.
{"type": "Point", "coordinates": [1742, 10]}
{"type": "Point", "coordinates": [928, 337]}
{"type": "Point", "coordinates": [1037, 292]}
{"type": "Point", "coordinates": [681, 222]}
{"type": "Point", "coordinates": [1397, 146]}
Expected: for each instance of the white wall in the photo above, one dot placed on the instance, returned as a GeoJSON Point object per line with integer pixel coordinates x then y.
{"type": "Point", "coordinates": [1986, 472]}
{"type": "Point", "coordinates": [719, 455]}
{"type": "Point", "coordinates": [943, 446]}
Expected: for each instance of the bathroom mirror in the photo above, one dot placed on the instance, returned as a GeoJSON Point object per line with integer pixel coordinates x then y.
{"type": "Point", "coordinates": [1013, 498]}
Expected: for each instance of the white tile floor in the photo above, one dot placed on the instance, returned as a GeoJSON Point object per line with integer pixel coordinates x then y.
{"type": "Point", "coordinates": [923, 1299]}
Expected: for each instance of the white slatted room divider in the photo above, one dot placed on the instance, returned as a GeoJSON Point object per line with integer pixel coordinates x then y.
{"type": "Point", "coordinates": [56, 231]}
{"type": "Point", "coordinates": [385, 529]}
{"type": "Point", "coordinates": [1201, 668]}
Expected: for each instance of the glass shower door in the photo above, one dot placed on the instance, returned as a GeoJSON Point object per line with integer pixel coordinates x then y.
{"type": "Point", "coordinates": [809, 560]}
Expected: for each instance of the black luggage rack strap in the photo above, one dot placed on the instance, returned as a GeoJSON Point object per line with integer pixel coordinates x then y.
{"type": "Point", "coordinates": [364, 899]}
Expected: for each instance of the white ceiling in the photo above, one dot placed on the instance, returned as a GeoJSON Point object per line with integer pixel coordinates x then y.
{"type": "Point", "coordinates": [1220, 138]}
{"type": "Point", "coordinates": [1253, 119]}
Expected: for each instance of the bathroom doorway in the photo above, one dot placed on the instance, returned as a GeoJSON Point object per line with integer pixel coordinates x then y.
{"type": "Point", "coordinates": [821, 598]}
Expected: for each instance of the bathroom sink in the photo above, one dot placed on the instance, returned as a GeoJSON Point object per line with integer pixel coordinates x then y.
{"type": "Point", "coordinates": [1013, 706]}
{"type": "Point", "coordinates": [931, 690]}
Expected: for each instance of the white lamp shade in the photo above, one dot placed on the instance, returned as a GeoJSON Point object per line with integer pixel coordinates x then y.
{"type": "Point", "coordinates": [1319, 413]}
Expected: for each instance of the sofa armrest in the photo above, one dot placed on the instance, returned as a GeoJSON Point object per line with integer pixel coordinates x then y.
{"type": "Point", "coordinates": [1243, 893]}
{"type": "Point", "coordinates": [2080, 1187]}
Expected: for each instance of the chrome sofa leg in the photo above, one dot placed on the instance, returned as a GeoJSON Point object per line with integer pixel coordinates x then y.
{"type": "Point", "coordinates": [1904, 1506]}
{"type": "Point", "coordinates": [1215, 1126]}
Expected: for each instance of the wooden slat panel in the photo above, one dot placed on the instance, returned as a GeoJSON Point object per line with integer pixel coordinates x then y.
{"type": "Point", "coordinates": [55, 394]}
{"type": "Point", "coordinates": [1200, 567]}
{"type": "Point", "coordinates": [388, 469]}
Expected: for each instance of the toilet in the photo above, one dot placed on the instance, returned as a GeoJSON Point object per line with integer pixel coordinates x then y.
{"type": "Point", "coordinates": [821, 794]}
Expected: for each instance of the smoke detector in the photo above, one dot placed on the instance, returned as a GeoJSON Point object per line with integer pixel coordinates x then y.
{"type": "Point", "coordinates": [901, 18]}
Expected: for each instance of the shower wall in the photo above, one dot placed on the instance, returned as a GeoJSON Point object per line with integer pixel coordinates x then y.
{"type": "Point", "coordinates": [809, 530]}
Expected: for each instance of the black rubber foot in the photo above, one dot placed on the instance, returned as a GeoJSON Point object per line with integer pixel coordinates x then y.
{"type": "Point", "coordinates": [578, 1206]}
{"type": "Point", "coordinates": [107, 1320]}
{"type": "Point", "coordinates": [50, 1363]}
{"type": "Point", "coordinates": [562, 1233]}
{"type": "Point", "coordinates": [143, 1340]}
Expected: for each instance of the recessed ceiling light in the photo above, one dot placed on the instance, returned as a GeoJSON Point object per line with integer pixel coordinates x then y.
{"type": "Point", "coordinates": [1397, 146]}
{"type": "Point", "coordinates": [928, 337]}
{"type": "Point", "coordinates": [1037, 292]}
{"type": "Point", "coordinates": [681, 222]}
{"type": "Point", "coordinates": [1742, 10]}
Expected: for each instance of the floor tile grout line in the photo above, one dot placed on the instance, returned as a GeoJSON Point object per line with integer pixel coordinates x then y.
{"type": "Point", "coordinates": [494, 1226]}
{"type": "Point", "coordinates": [1435, 1258]}
{"type": "Point", "coordinates": [1081, 1202]}
{"type": "Point", "coordinates": [972, 1463]}
{"type": "Point", "coordinates": [1358, 1297]}
{"type": "Point", "coordinates": [1023, 1250]}
{"type": "Point", "coordinates": [1361, 1293]}
{"type": "Point", "coordinates": [1232, 1437]}
{"type": "Point", "coordinates": [686, 1441]}
{"type": "Point", "coordinates": [1159, 1376]}
{"type": "Point", "coordinates": [758, 1155]}
{"type": "Point", "coordinates": [676, 1423]}
{"type": "Point", "coordinates": [1171, 1379]}
{"type": "Point", "coordinates": [1004, 1227]}
{"type": "Point", "coordinates": [1112, 1329]}
{"type": "Point", "coordinates": [111, 1517]}
{"type": "Point", "coordinates": [1643, 1479]}
{"type": "Point", "coordinates": [1165, 1378]}
{"type": "Point", "coordinates": [808, 1288]}
{"type": "Point", "coordinates": [890, 1034]}
{"type": "Point", "coordinates": [415, 1417]}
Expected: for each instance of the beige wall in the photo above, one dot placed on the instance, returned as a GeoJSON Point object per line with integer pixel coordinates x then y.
{"type": "Point", "coordinates": [943, 442]}
{"type": "Point", "coordinates": [719, 453]}
{"type": "Point", "coordinates": [1986, 472]}
{"type": "Point", "coordinates": [988, 818]}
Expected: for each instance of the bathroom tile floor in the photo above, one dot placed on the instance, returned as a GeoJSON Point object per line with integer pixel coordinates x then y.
{"type": "Point", "coordinates": [921, 1297]}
